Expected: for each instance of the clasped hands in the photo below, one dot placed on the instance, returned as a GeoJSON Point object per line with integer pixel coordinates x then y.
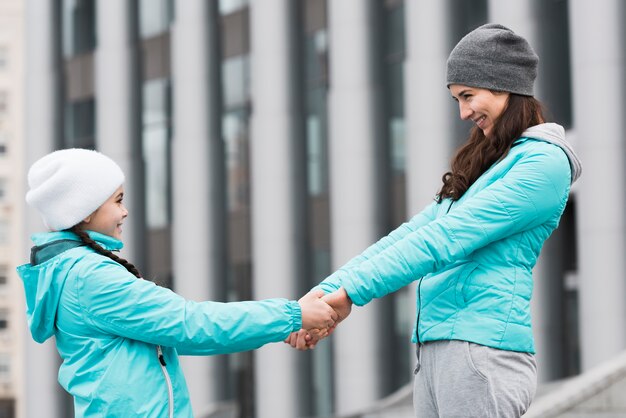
{"type": "Point", "coordinates": [321, 313]}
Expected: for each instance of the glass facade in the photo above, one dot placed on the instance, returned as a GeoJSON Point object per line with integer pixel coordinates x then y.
{"type": "Point", "coordinates": [156, 151]}
{"type": "Point", "coordinates": [78, 41]}
{"type": "Point", "coordinates": [315, 82]}
{"type": "Point", "coordinates": [393, 56]}
{"type": "Point", "coordinates": [236, 106]}
{"type": "Point", "coordinates": [153, 24]}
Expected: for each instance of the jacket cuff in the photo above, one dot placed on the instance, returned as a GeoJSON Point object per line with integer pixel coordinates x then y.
{"type": "Point", "coordinates": [353, 292]}
{"type": "Point", "coordinates": [296, 315]}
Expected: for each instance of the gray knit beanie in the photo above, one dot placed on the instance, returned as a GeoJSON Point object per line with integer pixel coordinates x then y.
{"type": "Point", "coordinates": [495, 58]}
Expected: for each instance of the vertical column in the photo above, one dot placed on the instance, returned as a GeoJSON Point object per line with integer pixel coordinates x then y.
{"type": "Point", "coordinates": [199, 207]}
{"type": "Point", "coordinates": [598, 69]}
{"type": "Point", "coordinates": [42, 392]}
{"type": "Point", "coordinates": [547, 274]}
{"type": "Point", "coordinates": [276, 220]}
{"type": "Point", "coordinates": [355, 164]}
{"type": "Point", "coordinates": [117, 114]}
{"type": "Point", "coordinates": [518, 16]}
{"type": "Point", "coordinates": [430, 109]}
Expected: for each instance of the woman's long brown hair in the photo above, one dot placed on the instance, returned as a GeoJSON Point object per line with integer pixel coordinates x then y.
{"type": "Point", "coordinates": [84, 237]}
{"type": "Point", "coordinates": [479, 152]}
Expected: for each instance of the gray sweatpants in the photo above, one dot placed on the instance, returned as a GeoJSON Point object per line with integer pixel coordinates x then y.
{"type": "Point", "coordinates": [457, 379]}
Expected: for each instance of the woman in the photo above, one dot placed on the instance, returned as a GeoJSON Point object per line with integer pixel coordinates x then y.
{"type": "Point", "coordinates": [473, 249]}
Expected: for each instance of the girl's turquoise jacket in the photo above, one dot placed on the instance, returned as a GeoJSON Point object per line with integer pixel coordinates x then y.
{"type": "Point", "coordinates": [473, 258]}
{"type": "Point", "coordinates": [108, 324]}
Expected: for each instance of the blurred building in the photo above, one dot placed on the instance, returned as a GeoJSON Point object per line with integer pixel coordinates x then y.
{"type": "Point", "coordinates": [12, 318]}
{"type": "Point", "coordinates": [268, 142]}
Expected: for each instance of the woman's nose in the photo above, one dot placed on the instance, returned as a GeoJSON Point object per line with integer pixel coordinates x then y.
{"type": "Point", "coordinates": [464, 111]}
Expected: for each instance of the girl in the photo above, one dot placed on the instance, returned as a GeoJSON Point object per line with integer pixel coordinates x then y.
{"type": "Point", "coordinates": [473, 249]}
{"type": "Point", "coordinates": [120, 336]}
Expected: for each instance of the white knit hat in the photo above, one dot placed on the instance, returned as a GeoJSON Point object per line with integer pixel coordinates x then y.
{"type": "Point", "coordinates": [66, 186]}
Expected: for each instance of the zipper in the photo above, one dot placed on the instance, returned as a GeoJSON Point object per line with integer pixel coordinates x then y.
{"type": "Point", "coordinates": [418, 365]}
{"type": "Point", "coordinates": [417, 324]}
{"type": "Point", "coordinates": [168, 381]}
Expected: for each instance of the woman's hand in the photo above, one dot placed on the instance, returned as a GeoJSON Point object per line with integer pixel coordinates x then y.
{"type": "Point", "coordinates": [316, 313]}
{"type": "Point", "coordinates": [308, 339]}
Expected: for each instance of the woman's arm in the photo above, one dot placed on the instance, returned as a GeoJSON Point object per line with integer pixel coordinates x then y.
{"type": "Point", "coordinates": [332, 282]}
{"type": "Point", "coordinates": [533, 190]}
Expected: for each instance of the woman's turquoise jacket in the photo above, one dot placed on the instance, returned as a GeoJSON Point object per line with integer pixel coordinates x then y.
{"type": "Point", "coordinates": [110, 325]}
{"type": "Point", "coordinates": [473, 258]}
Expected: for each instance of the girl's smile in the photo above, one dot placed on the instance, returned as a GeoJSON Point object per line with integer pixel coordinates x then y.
{"type": "Point", "coordinates": [109, 217]}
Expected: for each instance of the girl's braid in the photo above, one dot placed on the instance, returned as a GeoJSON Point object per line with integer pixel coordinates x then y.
{"type": "Point", "coordinates": [84, 237]}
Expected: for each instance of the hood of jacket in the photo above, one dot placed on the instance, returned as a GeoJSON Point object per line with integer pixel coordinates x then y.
{"type": "Point", "coordinates": [555, 134]}
{"type": "Point", "coordinates": [43, 283]}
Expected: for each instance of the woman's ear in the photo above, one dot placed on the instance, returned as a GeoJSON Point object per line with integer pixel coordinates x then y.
{"type": "Point", "coordinates": [87, 219]}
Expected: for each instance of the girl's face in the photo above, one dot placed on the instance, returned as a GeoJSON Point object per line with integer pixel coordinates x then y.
{"type": "Point", "coordinates": [481, 106]}
{"type": "Point", "coordinates": [109, 217]}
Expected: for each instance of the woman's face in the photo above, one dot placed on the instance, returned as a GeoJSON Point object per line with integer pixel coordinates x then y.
{"type": "Point", "coordinates": [109, 217]}
{"type": "Point", "coordinates": [481, 106]}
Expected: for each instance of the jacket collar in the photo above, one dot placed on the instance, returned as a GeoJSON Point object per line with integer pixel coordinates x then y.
{"type": "Point", "coordinates": [107, 242]}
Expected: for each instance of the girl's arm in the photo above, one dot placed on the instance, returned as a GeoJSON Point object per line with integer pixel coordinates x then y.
{"type": "Point", "coordinates": [114, 301]}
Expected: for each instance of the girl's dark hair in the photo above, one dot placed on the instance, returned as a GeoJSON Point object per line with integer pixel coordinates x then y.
{"type": "Point", "coordinates": [84, 237]}
{"type": "Point", "coordinates": [479, 152]}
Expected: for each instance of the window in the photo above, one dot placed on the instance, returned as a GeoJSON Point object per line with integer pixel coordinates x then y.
{"type": "Point", "coordinates": [80, 124]}
{"type": "Point", "coordinates": [4, 232]}
{"type": "Point", "coordinates": [236, 79]}
{"type": "Point", "coordinates": [7, 407]}
{"type": "Point", "coordinates": [4, 140]}
{"type": "Point", "coordinates": [4, 58]}
{"type": "Point", "coordinates": [229, 6]}
{"type": "Point", "coordinates": [3, 190]}
{"type": "Point", "coordinates": [4, 320]}
{"type": "Point", "coordinates": [4, 102]}
{"type": "Point", "coordinates": [4, 279]}
{"type": "Point", "coordinates": [156, 150]}
{"type": "Point", "coordinates": [5, 368]}
{"type": "Point", "coordinates": [78, 26]}
{"type": "Point", "coordinates": [155, 17]}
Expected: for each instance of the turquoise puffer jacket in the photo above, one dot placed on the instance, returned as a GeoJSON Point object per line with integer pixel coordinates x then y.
{"type": "Point", "coordinates": [473, 258]}
{"type": "Point", "coordinates": [109, 327]}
